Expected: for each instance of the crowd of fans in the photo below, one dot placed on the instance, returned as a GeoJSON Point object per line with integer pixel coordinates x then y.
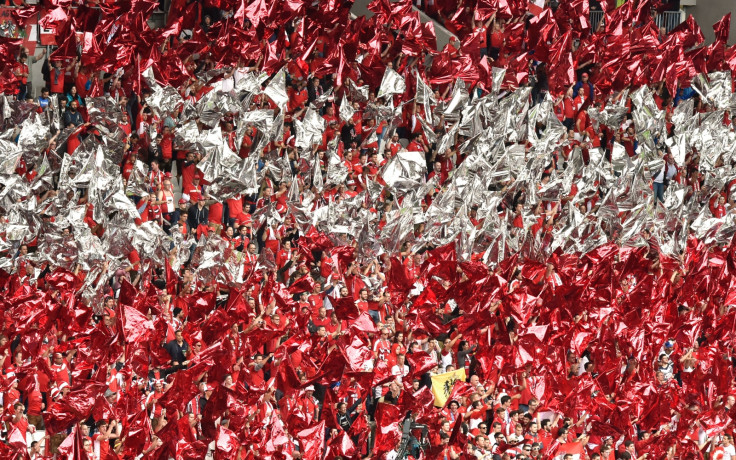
{"type": "Point", "coordinates": [323, 349]}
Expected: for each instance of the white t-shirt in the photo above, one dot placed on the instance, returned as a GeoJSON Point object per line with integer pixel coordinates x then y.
{"type": "Point", "coordinates": [399, 373]}
{"type": "Point", "coordinates": [447, 359]}
{"type": "Point", "coordinates": [239, 74]}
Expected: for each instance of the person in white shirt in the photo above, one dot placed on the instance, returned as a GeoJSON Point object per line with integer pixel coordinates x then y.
{"type": "Point", "coordinates": [663, 176]}
{"type": "Point", "coordinates": [726, 450]}
{"type": "Point", "coordinates": [400, 369]}
{"type": "Point", "coordinates": [666, 367]}
{"type": "Point", "coordinates": [728, 447]}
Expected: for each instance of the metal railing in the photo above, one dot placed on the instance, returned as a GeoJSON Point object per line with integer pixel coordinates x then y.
{"type": "Point", "coordinates": [667, 19]}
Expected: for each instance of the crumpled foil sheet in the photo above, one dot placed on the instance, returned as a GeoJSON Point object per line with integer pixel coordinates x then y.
{"type": "Point", "coordinates": [497, 171]}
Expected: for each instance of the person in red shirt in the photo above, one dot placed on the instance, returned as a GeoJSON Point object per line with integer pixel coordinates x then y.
{"type": "Point", "coordinates": [382, 347]}
{"type": "Point", "coordinates": [188, 170]}
{"type": "Point", "coordinates": [298, 95]}
{"type": "Point", "coordinates": [718, 206]}
{"type": "Point", "coordinates": [60, 370]}
{"type": "Point", "coordinates": [101, 440]}
{"type": "Point", "coordinates": [215, 215]}
{"type": "Point", "coordinates": [316, 298]}
{"type": "Point", "coordinates": [57, 75]}
{"type": "Point", "coordinates": [321, 319]}
{"type": "Point", "coordinates": [19, 420]}
{"type": "Point", "coordinates": [308, 404]}
{"type": "Point", "coordinates": [166, 144]}
{"type": "Point", "coordinates": [497, 39]}
{"type": "Point", "coordinates": [330, 115]}
{"type": "Point", "coordinates": [437, 171]}
{"type": "Point", "coordinates": [12, 396]}
{"type": "Point", "coordinates": [582, 121]}
{"type": "Point", "coordinates": [35, 408]}
{"type": "Point", "coordinates": [482, 31]}
{"type": "Point", "coordinates": [82, 80]}
{"type": "Point", "coordinates": [276, 322]}
{"type": "Point", "coordinates": [21, 72]}
{"type": "Point", "coordinates": [628, 139]}
{"type": "Point", "coordinates": [256, 375]}
{"type": "Point", "coordinates": [568, 109]}
{"type": "Point", "coordinates": [129, 165]}
{"type": "Point", "coordinates": [195, 191]}
{"type": "Point", "coordinates": [362, 302]}
{"type": "Point", "coordinates": [545, 433]}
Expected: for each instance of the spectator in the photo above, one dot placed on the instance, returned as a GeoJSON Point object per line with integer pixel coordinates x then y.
{"type": "Point", "coordinates": [178, 349]}
{"type": "Point", "coordinates": [588, 92]}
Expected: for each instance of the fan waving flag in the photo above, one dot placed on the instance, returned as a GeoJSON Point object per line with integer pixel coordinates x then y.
{"type": "Point", "coordinates": [442, 385]}
{"type": "Point", "coordinates": [573, 448]}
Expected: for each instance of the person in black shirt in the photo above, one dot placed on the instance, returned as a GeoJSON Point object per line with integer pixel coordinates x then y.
{"type": "Point", "coordinates": [392, 397]}
{"type": "Point", "coordinates": [178, 350]}
{"type": "Point", "coordinates": [345, 416]}
{"type": "Point", "coordinates": [72, 116]}
{"type": "Point", "coordinates": [198, 215]}
{"type": "Point", "coordinates": [348, 134]}
{"type": "Point", "coordinates": [314, 89]}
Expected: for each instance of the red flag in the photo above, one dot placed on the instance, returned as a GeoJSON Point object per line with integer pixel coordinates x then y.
{"type": "Point", "coordinates": [312, 440]}
{"type": "Point", "coordinates": [573, 448]}
{"type": "Point", "coordinates": [388, 432]}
